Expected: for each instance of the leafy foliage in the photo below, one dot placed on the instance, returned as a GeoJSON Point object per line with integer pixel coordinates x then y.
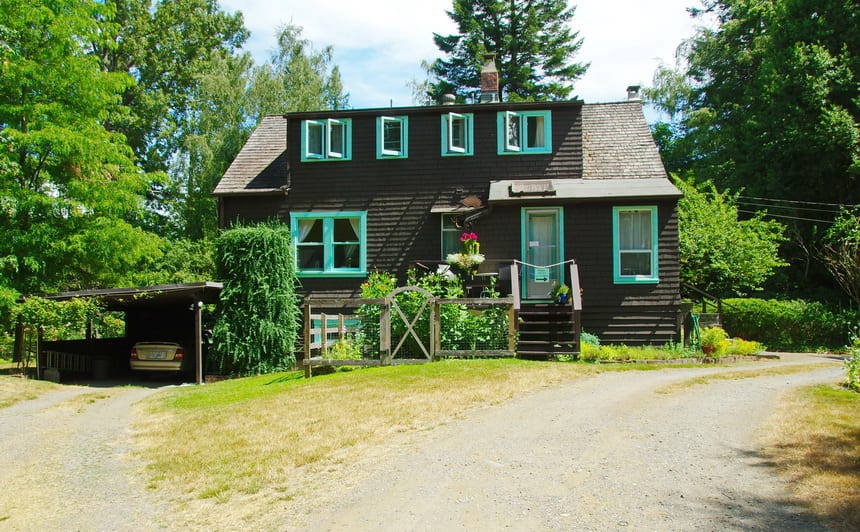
{"type": "Point", "coordinates": [258, 318]}
{"type": "Point", "coordinates": [766, 99]}
{"type": "Point", "coordinates": [718, 252]}
{"type": "Point", "coordinates": [69, 187]}
{"type": "Point", "coordinates": [840, 252]}
{"type": "Point", "coordinates": [852, 363]}
{"type": "Point", "coordinates": [532, 40]}
{"type": "Point", "coordinates": [461, 328]}
{"type": "Point", "coordinates": [793, 325]}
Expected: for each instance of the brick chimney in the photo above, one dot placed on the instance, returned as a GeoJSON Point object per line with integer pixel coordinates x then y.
{"type": "Point", "coordinates": [489, 79]}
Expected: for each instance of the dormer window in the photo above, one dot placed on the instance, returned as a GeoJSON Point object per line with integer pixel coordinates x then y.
{"type": "Point", "coordinates": [392, 136]}
{"type": "Point", "coordinates": [457, 134]}
{"type": "Point", "coordinates": [327, 140]}
{"type": "Point", "coordinates": [524, 132]}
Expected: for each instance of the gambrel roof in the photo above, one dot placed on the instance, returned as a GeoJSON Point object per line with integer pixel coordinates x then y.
{"type": "Point", "coordinates": [616, 144]}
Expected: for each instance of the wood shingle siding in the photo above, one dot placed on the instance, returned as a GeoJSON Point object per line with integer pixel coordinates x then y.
{"type": "Point", "coordinates": [608, 143]}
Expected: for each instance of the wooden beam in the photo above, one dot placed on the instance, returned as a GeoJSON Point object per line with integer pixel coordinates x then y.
{"type": "Point", "coordinates": [198, 342]}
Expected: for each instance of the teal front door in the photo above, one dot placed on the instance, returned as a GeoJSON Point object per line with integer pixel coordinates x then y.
{"type": "Point", "coordinates": [542, 251]}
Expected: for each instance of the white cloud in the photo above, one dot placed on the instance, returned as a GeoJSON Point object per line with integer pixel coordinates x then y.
{"type": "Point", "coordinates": [379, 44]}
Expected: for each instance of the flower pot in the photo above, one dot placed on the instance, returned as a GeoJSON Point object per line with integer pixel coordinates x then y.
{"type": "Point", "coordinates": [561, 299]}
{"type": "Point", "coordinates": [708, 349]}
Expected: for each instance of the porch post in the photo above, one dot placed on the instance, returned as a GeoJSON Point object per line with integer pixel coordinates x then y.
{"type": "Point", "coordinates": [198, 342]}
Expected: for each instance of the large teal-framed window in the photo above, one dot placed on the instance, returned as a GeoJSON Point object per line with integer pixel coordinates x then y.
{"type": "Point", "coordinates": [330, 244]}
{"type": "Point", "coordinates": [392, 137]}
{"type": "Point", "coordinates": [458, 133]}
{"type": "Point", "coordinates": [634, 245]}
{"type": "Point", "coordinates": [327, 140]}
{"type": "Point", "coordinates": [524, 132]}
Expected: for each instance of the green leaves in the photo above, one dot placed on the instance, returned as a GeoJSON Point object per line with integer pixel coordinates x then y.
{"type": "Point", "coordinates": [533, 42]}
{"type": "Point", "coordinates": [718, 252]}
{"type": "Point", "coordinates": [259, 314]}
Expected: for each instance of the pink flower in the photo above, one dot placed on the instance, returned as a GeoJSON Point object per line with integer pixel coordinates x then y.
{"type": "Point", "coordinates": [465, 237]}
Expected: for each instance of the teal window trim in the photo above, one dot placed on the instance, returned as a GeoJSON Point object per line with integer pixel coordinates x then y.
{"type": "Point", "coordinates": [327, 139]}
{"type": "Point", "coordinates": [464, 145]}
{"type": "Point", "coordinates": [387, 153]}
{"type": "Point", "coordinates": [618, 276]}
{"type": "Point", "coordinates": [328, 243]}
{"type": "Point", "coordinates": [521, 143]}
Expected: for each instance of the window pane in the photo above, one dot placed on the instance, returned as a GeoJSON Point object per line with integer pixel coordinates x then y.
{"type": "Point", "coordinates": [311, 257]}
{"type": "Point", "coordinates": [636, 263]}
{"type": "Point", "coordinates": [392, 135]}
{"type": "Point", "coordinates": [346, 229]}
{"type": "Point", "coordinates": [310, 230]}
{"type": "Point", "coordinates": [450, 236]}
{"type": "Point", "coordinates": [337, 137]}
{"type": "Point", "coordinates": [346, 256]}
{"type": "Point", "coordinates": [314, 139]}
{"type": "Point", "coordinates": [513, 123]}
{"type": "Point", "coordinates": [458, 133]}
{"type": "Point", "coordinates": [635, 230]}
{"type": "Point", "coordinates": [536, 135]}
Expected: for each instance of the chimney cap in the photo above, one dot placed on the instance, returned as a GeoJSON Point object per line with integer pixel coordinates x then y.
{"type": "Point", "coordinates": [633, 93]}
{"type": "Point", "coordinates": [449, 99]}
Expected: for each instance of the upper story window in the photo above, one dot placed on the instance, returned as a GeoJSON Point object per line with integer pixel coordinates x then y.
{"type": "Point", "coordinates": [327, 140]}
{"type": "Point", "coordinates": [524, 132]}
{"type": "Point", "coordinates": [330, 244]}
{"type": "Point", "coordinates": [392, 134]}
{"type": "Point", "coordinates": [634, 246]}
{"type": "Point", "coordinates": [457, 134]}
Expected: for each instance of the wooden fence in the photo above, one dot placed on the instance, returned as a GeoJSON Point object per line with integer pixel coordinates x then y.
{"type": "Point", "coordinates": [320, 336]}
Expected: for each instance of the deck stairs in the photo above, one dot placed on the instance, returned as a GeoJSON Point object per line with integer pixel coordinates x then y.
{"type": "Point", "coordinates": [546, 330]}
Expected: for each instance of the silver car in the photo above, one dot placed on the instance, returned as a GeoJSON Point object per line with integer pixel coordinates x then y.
{"type": "Point", "coordinates": [157, 356]}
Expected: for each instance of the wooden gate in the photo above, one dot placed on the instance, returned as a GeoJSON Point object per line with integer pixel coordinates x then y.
{"type": "Point", "coordinates": [425, 344]}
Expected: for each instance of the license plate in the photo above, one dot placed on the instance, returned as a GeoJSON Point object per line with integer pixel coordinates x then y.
{"type": "Point", "coordinates": [158, 355]}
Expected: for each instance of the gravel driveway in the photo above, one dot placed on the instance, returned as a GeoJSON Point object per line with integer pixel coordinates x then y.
{"type": "Point", "coordinates": [609, 452]}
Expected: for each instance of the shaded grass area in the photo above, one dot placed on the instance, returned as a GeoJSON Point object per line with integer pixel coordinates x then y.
{"type": "Point", "coordinates": [243, 435]}
{"type": "Point", "coordinates": [16, 389]}
{"type": "Point", "coordinates": [814, 441]}
{"type": "Point", "coordinates": [739, 375]}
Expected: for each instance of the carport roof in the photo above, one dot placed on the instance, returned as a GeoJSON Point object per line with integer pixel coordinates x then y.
{"type": "Point", "coordinates": [148, 296]}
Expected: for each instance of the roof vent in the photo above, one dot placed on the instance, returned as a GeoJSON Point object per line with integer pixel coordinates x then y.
{"type": "Point", "coordinates": [449, 99]}
{"type": "Point", "coordinates": [633, 93]}
{"type": "Point", "coordinates": [489, 79]}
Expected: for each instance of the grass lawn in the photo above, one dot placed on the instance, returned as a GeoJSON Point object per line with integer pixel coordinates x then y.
{"type": "Point", "coordinates": [814, 440]}
{"type": "Point", "coordinates": [241, 435]}
{"type": "Point", "coordinates": [14, 388]}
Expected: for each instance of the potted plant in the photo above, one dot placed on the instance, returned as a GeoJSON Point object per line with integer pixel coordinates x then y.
{"type": "Point", "coordinates": [713, 339]}
{"type": "Point", "coordinates": [561, 294]}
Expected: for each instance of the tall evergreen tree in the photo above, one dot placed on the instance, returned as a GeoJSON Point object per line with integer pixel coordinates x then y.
{"type": "Point", "coordinates": [533, 42]}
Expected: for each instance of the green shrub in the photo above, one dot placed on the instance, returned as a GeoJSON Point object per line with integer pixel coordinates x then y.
{"type": "Point", "coordinates": [852, 363]}
{"type": "Point", "coordinates": [787, 325]}
{"type": "Point", "coordinates": [716, 337]}
{"type": "Point", "coordinates": [740, 347]}
{"type": "Point", "coordinates": [258, 319]}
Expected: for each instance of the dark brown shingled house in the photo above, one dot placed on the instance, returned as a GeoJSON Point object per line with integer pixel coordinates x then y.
{"type": "Point", "coordinates": [540, 183]}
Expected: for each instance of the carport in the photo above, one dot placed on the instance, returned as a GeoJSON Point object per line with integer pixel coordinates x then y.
{"type": "Point", "coordinates": [162, 313]}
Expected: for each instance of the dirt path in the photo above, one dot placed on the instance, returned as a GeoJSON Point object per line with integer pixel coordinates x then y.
{"type": "Point", "coordinates": [617, 451]}
{"type": "Point", "coordinates": [63, 463]}
{"type": "Point", "coordinates": [606, 453]}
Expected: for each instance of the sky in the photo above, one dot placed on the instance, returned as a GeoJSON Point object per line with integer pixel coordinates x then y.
{"type": "Point", "coordinates": [379, 44]}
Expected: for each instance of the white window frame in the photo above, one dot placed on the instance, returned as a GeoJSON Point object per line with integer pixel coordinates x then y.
{"type": "Point", "coordinates": [327, 150]}
{"type": "Point", "coordinates": [381, 151]}
{"type": "Point", "coordinates": [448, 127]}
{"type": "Point", "coordinates": [522, 146]}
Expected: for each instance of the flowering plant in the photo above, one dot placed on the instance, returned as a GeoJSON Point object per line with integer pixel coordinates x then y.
{"type": "Point", "coordinates": [470, 258]}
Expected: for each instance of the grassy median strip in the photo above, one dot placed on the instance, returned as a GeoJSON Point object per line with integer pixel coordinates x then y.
{"type": "Point", "coordinates": [814, 440]}
{"type": "Point", "coordinates": [238, 436]}
{"type": "Point", "coordinates": [738, 375]}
